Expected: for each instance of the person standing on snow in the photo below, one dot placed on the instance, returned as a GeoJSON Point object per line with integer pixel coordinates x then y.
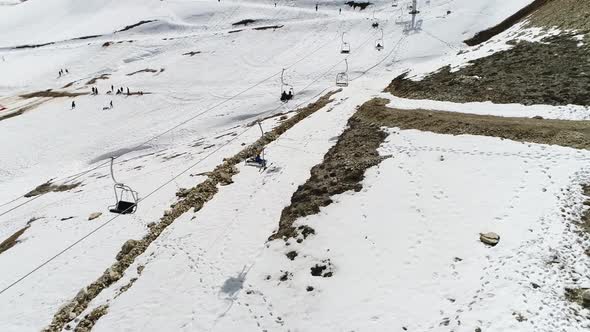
{"type": "Point", "coordinates": [316, 7]}
{"type": "Point", "coordinates": [73, 104]}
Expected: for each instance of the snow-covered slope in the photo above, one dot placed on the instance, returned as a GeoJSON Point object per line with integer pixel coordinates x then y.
{"type": "Point", "coordinates": [392, 245]}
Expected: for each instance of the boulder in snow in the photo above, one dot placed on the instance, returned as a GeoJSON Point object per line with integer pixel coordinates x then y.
{"type": "Point", "coordinates": [489, 238]}
{"type": "Point", "coordinates": [94, 215]}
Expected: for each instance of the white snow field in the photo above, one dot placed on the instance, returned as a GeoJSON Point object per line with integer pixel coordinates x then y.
{"type": "Point", "coordinates": [404, 252]}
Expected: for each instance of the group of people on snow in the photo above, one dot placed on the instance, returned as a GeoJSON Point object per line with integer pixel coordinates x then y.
{"type": "Point", "coordinates": [63, 72]}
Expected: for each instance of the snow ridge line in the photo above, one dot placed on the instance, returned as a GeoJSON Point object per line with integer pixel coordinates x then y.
{"type": "Point", "coordinates": [194, 198]}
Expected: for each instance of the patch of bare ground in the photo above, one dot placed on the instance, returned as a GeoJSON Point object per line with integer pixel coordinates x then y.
{"type": "Point", "coordinates": [33, 45]}
{"type": "Point", "coordinates": [574, 134]}
{"type": "Point", "coordinates": [86, 324]}
{"type": "Point", "coordinates": [52, 94]}
{"type": "Point", "coordinates": [355, 4]}
{"type": "Point", "coordinates": [244, 22]}
{"type": "Point", "coordinates": [68, 85]}
{"type": "Point", "coordinates": [101, 77]}
{"type": "Point", "coordinates": [129, 27]}
{"type": "Point", "coordinates": [23, 109]}
{"type": "Point", "coordinates": [575, 295]}
{"type": "Point", "coordinates": [12, 240]}
{"type": "Point", "coordinates": [585, 221]}
{"type": "Point", "coordinates": [146, 70]}
{"type": "Point", "coordinates": [268, 27]}
{"type": "Point", "coordinates": [192, 53]}
{"type": "Point", "coordinates": [342, 169]}
{"type": "Point", "coordinates": [564, 15]}
{"type": "Point", "coordinates": [529, 73]}
{"type": "Point", "coordinates": [50, 187]}
{"type": "Point", "coordinates": [193, 198]}
{"type": "Point", "coordinates": [11, 115]}
{"type": "Point", "coordinates": [555, 71]}
{"type": "Point", "coordinates": [489, 33]}
{"type": "Point", "coordinates": [138, 93]}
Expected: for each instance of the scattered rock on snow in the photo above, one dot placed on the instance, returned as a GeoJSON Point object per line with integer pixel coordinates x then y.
{"type": "Point", "coordinates": [322, 270]}
{"type": "Point", "coordinates": [291, 255]}
{"type": "Point", "coordinates": [94, 215]}
{"type": "Point", "coordinates": [127, 247]}
{"type": "Point", "coordinates": [489, 238]}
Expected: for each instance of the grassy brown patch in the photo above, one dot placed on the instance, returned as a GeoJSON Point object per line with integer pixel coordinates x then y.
{"type": "Point", "coordinates": [574, 134]}
{"type": "Point", "coordinates": [50, 187]}
{"type": "Point", "coordinates": [101, 77]}
{"type": "Point", "coordinates": [52, 94]}
{"type": "Point", "coordinates": [12, 240]}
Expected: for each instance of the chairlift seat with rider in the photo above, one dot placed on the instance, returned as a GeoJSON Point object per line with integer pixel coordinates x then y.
{"type": "Point", "coordinates": [258, 161]}
{"type": "Point", "coordinates": [126, 199]}
{"type": "Point", "coordinates": [375, 23]}
{"type": "Point", "coordinates": [379, 45]}
{"type": "Point", "coordinates": [287, 92]}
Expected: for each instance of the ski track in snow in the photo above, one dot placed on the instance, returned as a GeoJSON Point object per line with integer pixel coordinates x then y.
{"type": "Point", "coordinates": [404, 251]}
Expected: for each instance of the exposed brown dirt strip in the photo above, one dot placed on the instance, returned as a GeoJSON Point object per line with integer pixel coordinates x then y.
{"type": "Point", "coordinates": [489, 33]}
{"type": "Point", "coordinates": [52, 94]}
{"type": "Point", "coordinates": [12, 240]}
{"type": "Point", "coordinates": [574, 134]}
{"type": "Point", "coordinates": [342, 169]}
{"type": "Point", "coordinates": [529, 73]}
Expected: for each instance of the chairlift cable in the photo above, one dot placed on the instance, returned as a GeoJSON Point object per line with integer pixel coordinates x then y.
{"type": "Point", "coordinates": [47, 261]}
{"type": "Point", "coordinates": [3, 290]}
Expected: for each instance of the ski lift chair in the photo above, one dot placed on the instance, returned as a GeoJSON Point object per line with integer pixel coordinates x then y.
{"type": "Point", "coordinates": [259, 160]}
{"type": "Point", "coordinates": [345, 48]}
{"type": "Point", "coordinates": [287, 92]}
{"type": "Point", "coordinates": [419, 25]}
{"type": "Point", "coordinates": [379, 42]}
{"type": "Point", "coordinates": [379, 45]}
{"type": "Point", "coordinates": [342, 77]}
{"type": "Point", "coordinates": [375, 23]}
{"type": "Point", "coordinates": [124, 205]}
{"type": "Point", "coordinates": [126, 199]}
